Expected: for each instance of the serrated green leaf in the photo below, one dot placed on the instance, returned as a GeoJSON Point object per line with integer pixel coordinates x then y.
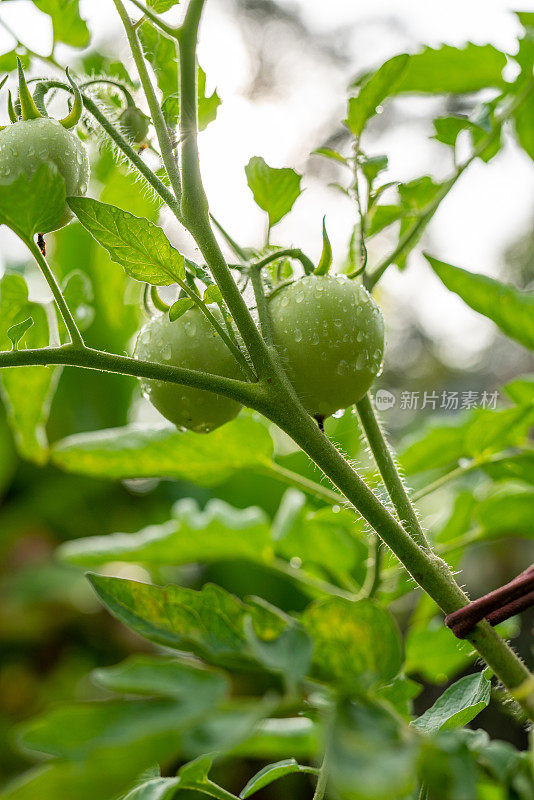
{"type": "Point", "coordinates": [273, 772]}
{"type": "Point", "coordinates": [510, 309]}
{"type": "Point", "coordinates": [133, 242]}
{"type": "Point", "coordinates": [212, 294]}
{"type": "Point", "coordinates": [356, 644]}
{"type": "Point", "coordinates": [458, 704]}
{"type": "Point", "coordinates": [68, 25]}
{"type": "Point", "coordinates": [454, 70]}
{"type": "Point", "coordinates": [133, 452]}
{"type": "Point", "coordinates": [373, 92]}
{"type": "Point", "coordinates": [21, 205]}
{"type": "Point", "coordinates": [274, 190]}
{"type": "Point", "coordinates": [218, 532]}
{"type": "Point", "coordinates": [164, 677]}
{"type": "Point", "coordinates": [289, 654]}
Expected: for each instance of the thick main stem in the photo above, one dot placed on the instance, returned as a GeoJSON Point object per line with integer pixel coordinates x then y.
{"type": "Point", "coordinates": [427, 569]}
{"type": "Point", "coordinates": [386, 465]}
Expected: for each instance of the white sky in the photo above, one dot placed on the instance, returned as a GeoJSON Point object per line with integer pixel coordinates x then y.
{"type": "Point", "coordinates": [490, 207]}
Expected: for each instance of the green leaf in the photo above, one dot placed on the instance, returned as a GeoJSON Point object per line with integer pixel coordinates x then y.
{"type": "Point", "coordinates": [68, 25]}
{"type": "Point", "coordinates": [155, 789]}
{"type": "Point", "coordinates": [208, 623]}
{"type": "Point", "coordinates": [372, 166]}
{"type": "Point", "coordinates": [435, 653]}
{"type": "Point", "coordinates": [179, 308]}
{"type": "Point", "coordinates": [21, 206]}
{"type": "Point", "coordinates": [218, 532]}
{"type": "Point", "coordinates": [208, 105]}
{"type": "Point", "coordinates": [518, 467]}
{"type": "Point", "coordinates": [164, 677]}
{"type": "Point", "coordinates": [371, 758]}
{"type": "Point", "coordinates": [373, 93]}
{"type": "Point", "coordinates": [510, 309]}
{"type": "Point", "coordinates": [455, 70]}
{"type": "Point", "coordinates": [381, 217]}
{"type": "Point", "coordinates": [325, 262]}
{"type": "Point", "coordinates": [160, 51]}
{"type": "Point", "coordinates": [399, 694]}
{"type": "Point", "coordinates": [77, 731]}
{"type": "Point", "coordinates": [133, 452]}
{"type": "Point", "coordinates": [355, 644]}
{"type": "Point", "coordinates": [8, 61]}
{"type": "Point", "coordinates": [160, 6]}
{"type": "Point", "coordinates": [507, 513]}
{"type": "Point", "coordinates": [212, 294]}
{"type": "Point", "coordinates": [476, 433]}
{"type": "Point", "coordinates": [26, 391]}
{"type": "Point", "coordinates": [332, 155]}
{"type": "Point", "coordinates": [273, 772]}
{"type": "Point", "coordinates": [78, 293]}
{"type": "Point", "coordinates": [449, 128]}
{"type": "Point", "coordinates": [289, 654]}
{"type": "Point", "coordinates": [17, 331]}
{"type": "Point", "coordinates": [133, 242]}
{"type": "Point", "coordinates": [458, 704]}
{"type": "Point", "coordinates": [274, 190]}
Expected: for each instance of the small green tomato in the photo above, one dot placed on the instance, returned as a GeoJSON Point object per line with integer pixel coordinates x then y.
{"type": "Point", "coordinates": [191, 342]}
{"type": "Point", "coordinates": [134, 124]}
{"type": "Point", "coordinates": [330, 335]}
{"type": "Point", "coordinates": [25, 145]}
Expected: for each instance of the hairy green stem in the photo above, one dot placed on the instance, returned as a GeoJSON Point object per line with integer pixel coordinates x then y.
{"type": "Point", "coordinates": [320, 788]}
{"type": "Point", "coordinates": [123, 145]}
{"type": "Point", "coordinates": [305, 485]}
{"type": "Point", "coordinates": [68, 319]}
{"type": "Point", "coordinates": [290, 252]}
{"type": "Point", "coordinates": [165, 144]}
{"type": "Point", "coordinates": [262, 305]}
{"type": "Point", "coordinates": [373, 576]}
{"type": "Point", "coordinates": [388, 470]}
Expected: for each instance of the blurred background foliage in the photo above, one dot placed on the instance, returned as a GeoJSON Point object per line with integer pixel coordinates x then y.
{"type": "Point", "coordinates": [53, 631]}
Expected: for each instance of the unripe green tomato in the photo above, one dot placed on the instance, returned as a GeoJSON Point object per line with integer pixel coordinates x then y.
{"type": "Point", "coordinates": [25, 145]}
{"type": "Point", "coordinates": [330, 335]}
{"type": "Point", "coordinates": [134, 124]}
{"type": "Point", "coordinates": [191, 342]}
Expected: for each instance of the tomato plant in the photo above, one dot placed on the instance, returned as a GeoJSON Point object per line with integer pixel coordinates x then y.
{"type": "Point", "coordinates": [291, 594]}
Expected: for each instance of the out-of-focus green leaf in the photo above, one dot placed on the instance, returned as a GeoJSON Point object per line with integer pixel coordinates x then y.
{"type": "Point", "coordinates": [21, 206]}
{"type": "Point", "coordinates": [448, 767]}
{"type": "Point", "coordinates": [164, 677]}
{"type": "Point", "coordinates": [155, 789]}
{"type": "Point", "coordinates": [518, 467]}
{"type": "Point", "coordinates": [507, 512]}
{"type": "Point", "coordinates": [274, 190]}
{"type": "Point", "coordinates": [8, 61]}
{"type": "Point", "coordinates": [273, 772]}
{"type": "Point", "coordinates": [479, 432]}
{"type": "Point", "coordinates": [75, 732]}
{"type": "Point", "coordinates": [511, 310]}
{"type": "Point", "coordinates": [435, 653]}
{"type": "Point", "coordinates": [209, 623]}
{"type": "Point", "coordinates": [370, 758]}
{"type": "Point", "coordinates": [458, 704]}
{"type": "Point", "coordinates": [399, 694]}
{"type": "Point", "coordinates": [161, 52]}
{"type": "Point", "coordinates": [289, 654]}
{"type": "Point", "coordinates": [68, 25]}
{"type": "Point", "coordinates": [218, 532]}
{"type": "Point", "coordinates": [133, 452]}
{"type": "Point", "coordinates": [381, 217]}
{"type": "Point", "coordinates": [415, 197]}
{"type": "Point", "coordinates": [454, 70]}
{"type": "Point", "coordinates": [134, 242]}
{"type": "Point", "coordinates": [296, 737]}
{"type": "Point", "coordinates": [449, 128]}
{"type": "Point", "coordinates": [208, 105]}
{"type": "Point", "coordinates": [78, 293]}
{"type": "Point", "coordinates": [373, 92]}
{"type": "Point", "coordinates": [160, 6]}
{"type": "Point", "coordinates": [355, 644]}
{"type": "Point", "coordinates": [27, 391]}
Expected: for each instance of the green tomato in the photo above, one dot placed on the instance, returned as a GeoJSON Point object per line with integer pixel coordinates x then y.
{"type": "Point", "coordinates": [25, 145]}
{"type": "Point", "coordinates": [330, 335]}
{"type": "Point", "coordinates": [189, 342]}
{"type": "Point", "coordinates": [134, 124]}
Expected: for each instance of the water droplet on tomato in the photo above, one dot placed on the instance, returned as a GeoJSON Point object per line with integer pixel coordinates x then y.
{"type": "Point", "coordinates": [166, 353]}
{"type": "Point", "coordinates": [343, 368]}
{"type": "Point", "coordinates": [298, 335]}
